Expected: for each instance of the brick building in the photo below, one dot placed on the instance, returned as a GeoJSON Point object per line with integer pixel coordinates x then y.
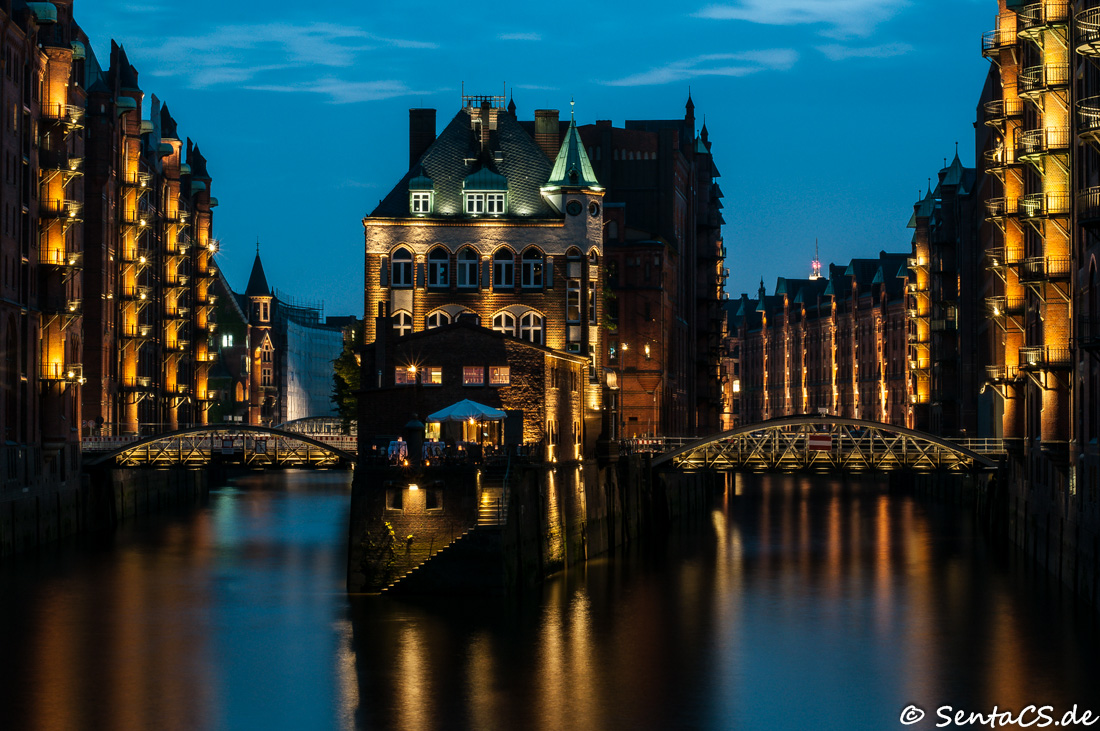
{"type": "Point", "coordinates": [835, 344]}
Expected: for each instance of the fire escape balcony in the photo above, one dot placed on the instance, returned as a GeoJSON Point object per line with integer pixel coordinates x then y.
{"type": "Point", "coordinates": [61, 258]}
{"type": "Point", "coordinates": [66, 372]}
{"type": "Point", "coordinates": [1041, 16]}
{"type": "Point", "coordinates": [1034, 143]}
{"type": "Point", "coordinates": [917, 262]}
{"type": "Point", "coordinates": [69, 115]}
{"type": "Point", "coordinates": [920, 365]}
{"type": "Point", "coordinates": [1000, 257]}
{"type": "Point", "coordinates": [180, 345]}
{"type": "Point", "coordinates": [140, 218]}
{"type": "Point", "coordinates": [1000, 373]}
{"type": "Point", "coordinates": [136, 294]}
{"type": "Point", "coordinates": [63, 209]}
{"type": "Point", "coordinates": [1088, 207]}
{"type": "Point", "coordinates": [1044, 205]}
{"type": "Point", "coordinates": [59, 162]}
{"type": "Point", "coordinates": [943, 325]}
{"type": "Point", "coordinates": [140, 255]}
{"type": "Point", "coordinates": [1005, 306]}
{"type": "Point", "coordinates": [998, 111]}
{"type": "Point", "coordinates": [997, 208]}
{"type": "Point", "coordinates": [1088, 119]}
{"type": "Point", "coordinates": [66, 306]}
{"type": "Point", "coordinates": [1046, 269]}
{"type": "Point", "coordinates": [1000, 158]}
{"type": "Point", "coordinates": [1036, 80]}
{"type": "Point", "coordinates": [1088, 333]}
{"type": "Point", "coordinates": [136, 332]}
{"type": "Point", "coordinates": [137, 180]}
{"type": "Point", "coordinates": [175, 313]}
{"type": "Point", "coordinates": [137, 383]}
{"type": "Point", "coordinates": [1087, 37]}
{"type": "Point", "coordinates": [1045, 358]}
{"type": "Point", "coordinates": [994, 40]}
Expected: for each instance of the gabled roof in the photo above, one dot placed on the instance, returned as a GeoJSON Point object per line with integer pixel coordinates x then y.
{"type": "Point", "coordinates": [456, 153]}
{"type": "Point", "coordinates": [572, 168]}
{"type": "Point", "coordinates": [257, 281]}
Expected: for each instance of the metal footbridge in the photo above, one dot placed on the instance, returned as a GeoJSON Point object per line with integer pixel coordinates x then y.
{"type": "Point", "coordinates": [830, 444]}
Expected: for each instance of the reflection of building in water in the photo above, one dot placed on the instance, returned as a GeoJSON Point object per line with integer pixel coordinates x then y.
{"type": "Point", "coordinates": [276, 355]}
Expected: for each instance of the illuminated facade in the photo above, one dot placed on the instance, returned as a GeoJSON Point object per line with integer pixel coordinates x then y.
{"type": "Point", "coordinates": [835, 344]}
{"type": "Point", "coordinates": [494, 227]}
{"type": "Point", "coordinates": [149, 262]}
{"type": "Point", "coordinates": [41, 243]}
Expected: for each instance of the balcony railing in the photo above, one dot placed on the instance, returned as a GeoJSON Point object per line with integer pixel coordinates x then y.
{"type": "Point", "coordinates": [1088, 206]}
{"type": "Point", "coordinates": [1087, 38]}
{"type": "Point", "coordinates": [1000, 373]}
{"type": "Point", "coordinates": [1001, 207]}
{"type": "Point", "coordinates": [995, 40]}
{"type": "Point", "coordinates": [60, 208]}
{"type": "Point", "coordinates": [943, 325]}
{"type": "Point", "coordinates": [920, 364]}
{"type": "Point", "coordinates": [137, 383]}
{"type": "Point", "coordinates": [60, 258]}
{"type": "Point", "coordinates": [140, 294]}
{"type": "Point", "coordinates": [136, 332]}
{"type": "Point", "coordinates": [1000, 158]}
{"type": "Point", "coordinates": [1046, 268]}
{"type": "Point", "coordinates": [1045, 357]}
{"type": "Point", "coordinates": [136, 180]}
{"type": "Point", "coordinates": [69, 372]}
{"type": "Point", "coordinates": [1037, 79]}
{"type": "Point", "coordinates": [1041, 205]}
{"type": "Point", "coordinates": [1042, 15]}
{"type": "Point", "coordinates": [65, 113]}
{"type": "Point", "coordinates": [60, 160]}
{"type": "Point", "coordinates": [1001, 257]}
{"type": "Point", "coordinates": [998, 110]}
{"type": "Point", "coordinates": [1002, 306]}
{"type": "Point", "coordinates": [1044, 141]}
{"type": "Point", "coordinates": [60, 306]}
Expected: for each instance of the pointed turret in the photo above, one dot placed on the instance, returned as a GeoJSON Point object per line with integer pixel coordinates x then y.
{"type": "Point", "coordinates": [257, 281]}
{"type": "Point", "coordinates": [572, 168]}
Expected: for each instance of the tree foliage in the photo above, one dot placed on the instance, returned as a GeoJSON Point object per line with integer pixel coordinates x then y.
{"type": "Point", "coordinates": [345, 379]}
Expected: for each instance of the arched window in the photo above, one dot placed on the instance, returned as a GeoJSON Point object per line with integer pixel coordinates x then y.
{"type": "Point", "coordinates": [467, 268]}
{"type": "Point", "coordinates": [504, 264]}
{"type": "Point", "coordinates": [505, 322]}
{"type": "Point", "coordinates": [531, 277]}
{"type": "Point", "coordinates": [402, 268]}
{"type": "Point", "coordinates": [530, 327]}
{"type": "Point", "coordinates": [439, 260]}
{"type": "Point", "coordinates": [437, 319]}
{"type": "Point", "coordinates": [402, 323]}
{"type": "Point", "coordinates": [468, 316]}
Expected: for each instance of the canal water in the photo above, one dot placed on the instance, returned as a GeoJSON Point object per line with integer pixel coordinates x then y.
{"type": "Point", "coordinates": [795, 603]}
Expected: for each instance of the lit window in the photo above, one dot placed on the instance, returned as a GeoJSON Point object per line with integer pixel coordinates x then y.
{"type": "Point", "coordinates": [500, 375]}
{"type": "Point", "coordinates": [530, 327]}
{"type": "Point", "coordinates": [475, 203]}
{"type": "Point", "coordinates": [504, 269]}
{"type": "Point", "coordinates": [438, 261]}
{"type": "Point", "coordinates": [532, 268]}
{"type": "Point", "coordinates": [403, 376]}
{"type": "Point", "coordinates": [494, 203]}
{"type": "Point", "coordinates": [467, 268]}
{"type": "Point", "coordinates": [421, 202]}
{"type": "Point", "coordinates": [437, 319]}
{"type": "Point", "coordinates": [402, 323]}
{"type": "Point", "coordinates": [266, 352]}
{"type": "Point", "coordinates": [433, 376]}
{"type": "Point", "coordinates": [227, 340]}
{"type": "Point", "coordinates": [402, 268]}
{"type": "Point", "coordinates": [504, 322]}
{"type": "Point", "coordinates": [473, 376]}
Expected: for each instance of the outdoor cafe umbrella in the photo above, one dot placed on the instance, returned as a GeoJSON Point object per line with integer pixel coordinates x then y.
{"type": "Point", "coordinates": [466, 410]}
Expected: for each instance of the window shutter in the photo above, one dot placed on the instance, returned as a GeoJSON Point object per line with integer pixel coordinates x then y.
{"type": "Point", "coordinates": [384, 272]}
{"type": "Point", "coordinates": [421, 275]}
{"type": "Point", "coordinates": [548, 277]}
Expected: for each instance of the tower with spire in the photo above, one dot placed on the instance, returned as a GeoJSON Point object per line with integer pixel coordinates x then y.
{"type": "Point", "coordinates": [263, 393]}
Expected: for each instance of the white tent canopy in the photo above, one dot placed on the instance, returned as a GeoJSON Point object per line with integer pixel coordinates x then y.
{"type": "Point", "coordinates": [466, 410]}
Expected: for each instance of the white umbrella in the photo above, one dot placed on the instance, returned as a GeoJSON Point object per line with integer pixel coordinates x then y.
{"type": "Point", "coordinates": [465, 410]}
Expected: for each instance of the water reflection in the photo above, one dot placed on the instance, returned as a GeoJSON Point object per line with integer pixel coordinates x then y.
{"type": "Point", "coordinates": [794, 603]}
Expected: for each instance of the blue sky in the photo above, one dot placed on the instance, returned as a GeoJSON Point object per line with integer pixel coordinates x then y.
{"type": "Point", "coordinates": [826, 116]}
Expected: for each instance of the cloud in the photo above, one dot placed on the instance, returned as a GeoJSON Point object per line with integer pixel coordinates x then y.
{"type": "Point", "coordinates": [714, 64]}
{"type": "Point", "coordinates": [520, 37]}
{"type": "Point", "coordinates": [344, 92]}
{"type": "Point", "coordinates": [835, 52]}
{"type": "Point", "coordinates": [845, 17]}
{"type": "Point", "coordinates": [235, 54]}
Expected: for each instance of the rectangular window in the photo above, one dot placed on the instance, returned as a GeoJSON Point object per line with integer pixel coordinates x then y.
{"type": "Point", "coordinates": [265, 376]}
{"type": "Point", "coordinates": [500, 375]}
{"type": "Point", "coordinates": [573, 301]}
{"type": "Point", "coordinates": [473, 376]}
{"type": "Point", "coordinates": [433, 376]}
{"type": "Point", "coordinates": [421, 203]}
{"type": "Point", "coordinates": [402, 376]}
{"type": "Point", "coordinates": [494, 203]}
{"type": "Point", "coordinates": [467, 271]}
{"type": "Point", "coordinates": [475, 202]}
{"type": "Point", "coordinates": [592, 303]}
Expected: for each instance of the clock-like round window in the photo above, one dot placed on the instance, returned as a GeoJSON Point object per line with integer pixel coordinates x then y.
{"type": "Point", "coordinates": [593, 209]}
{"type": "Point", "coordinates": [574, 208]}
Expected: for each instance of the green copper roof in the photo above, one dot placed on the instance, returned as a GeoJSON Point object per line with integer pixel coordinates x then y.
{"type": "Point", "coordinates": [572, 168]}
{"type": "Point", "coordinates": [421, 182]}
{"type": "Point", "coordinates": [43, 12]}
{"type": "Point", "coordinates": [483, 179]}
{"type": "Point", "coordinates": [954, 174]}
{"type": "Point", "coordinates": [924, 210]}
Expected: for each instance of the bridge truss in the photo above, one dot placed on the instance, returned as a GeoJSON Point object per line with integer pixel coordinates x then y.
{"type": "Point", "coordinates": [249, 446]}
{"type": "Point", "coordinates": [830, 444]}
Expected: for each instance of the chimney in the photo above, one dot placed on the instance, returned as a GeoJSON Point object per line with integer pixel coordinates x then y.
{"type": "Point", "coordinates": [421, 132]}
{"type": "Point", "coordinates": [485, 126]}
{"type": "Point", "coordinates": [546, 132]}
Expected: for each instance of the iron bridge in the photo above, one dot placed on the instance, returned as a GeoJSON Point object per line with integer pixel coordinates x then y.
{"type": "Point", "coordinates": [829, 444]}
{"type": "Point", "coordinates": [249, 446]}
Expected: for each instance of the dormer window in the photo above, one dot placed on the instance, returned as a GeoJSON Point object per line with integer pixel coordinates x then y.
{"type": "Point", "coordinates": [420, 202]}
{"type": "Point", "coordinates": [485, 192]}
{"type": "Point", "coordinates": [475, 203]}
{"type": "Point", "coordinates": [494, 203]}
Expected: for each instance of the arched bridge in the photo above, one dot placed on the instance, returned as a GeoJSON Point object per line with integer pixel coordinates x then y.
{"type": "Point", "coordinates": [251, 446]}
{"type": "Point", "coordinates": [828, 443]}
